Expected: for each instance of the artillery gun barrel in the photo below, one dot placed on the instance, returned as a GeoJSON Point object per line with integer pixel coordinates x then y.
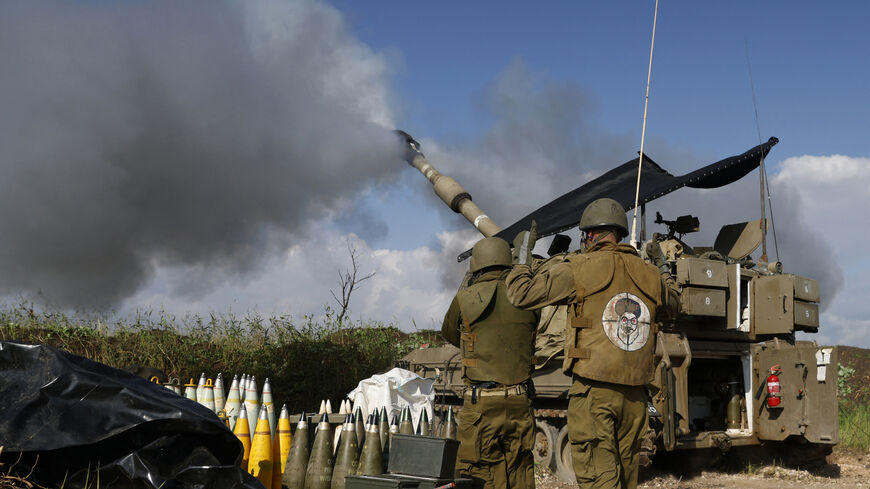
{"type": "Point", "coordinates": [448, 189]}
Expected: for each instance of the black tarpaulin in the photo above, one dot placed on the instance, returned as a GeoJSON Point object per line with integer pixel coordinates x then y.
{"type": "Point", "coordinates": [71, 419]}
{"type": "Point", "coordinates": [620, 184]}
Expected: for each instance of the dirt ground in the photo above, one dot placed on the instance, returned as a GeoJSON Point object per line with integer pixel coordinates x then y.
{"type": "Point", "coordinates": [842, 470]}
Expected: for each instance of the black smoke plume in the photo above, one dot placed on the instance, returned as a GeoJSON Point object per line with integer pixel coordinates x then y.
{"type": "Point", "coordinates": [135, 135]}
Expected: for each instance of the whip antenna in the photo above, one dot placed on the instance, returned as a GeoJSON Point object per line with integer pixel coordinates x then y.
{"type": "Point", "coordinates": [643, 128]}
{"type": "Point", "coordinates": [764, 184]}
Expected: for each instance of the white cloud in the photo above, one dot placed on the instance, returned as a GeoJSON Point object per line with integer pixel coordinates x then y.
{"type": "Point", "coordinates": [834, 192]}
{"type": "Point", "coordinates": [408, 287]}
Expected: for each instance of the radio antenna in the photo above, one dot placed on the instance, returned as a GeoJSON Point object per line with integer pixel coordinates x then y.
{"type": "Point", "coordinates": [763, 181]}
{"type": "Point", "coordinates": [643, 128]}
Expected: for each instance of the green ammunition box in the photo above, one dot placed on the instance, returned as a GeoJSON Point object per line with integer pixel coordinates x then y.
{"type": "Point", "coordinates": [700, 272]}
{"type": "Point", "coordinates": [699, 301]}
{"type": "Point", "coordinates": [806, 289]}
{"type": "Point", "coordinates": [426, 456]}
{"type": "Point", "coordinates": [434, 482]}
{"type": "Point", "coordinates": [806, 316]}
{"type": "Point", "coordinates": [378, 482]}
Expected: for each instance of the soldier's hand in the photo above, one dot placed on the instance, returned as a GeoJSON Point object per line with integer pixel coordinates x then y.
{"type": "Point", "coordinates": [524, 243]}
{"type": "Point", "coordinates": [656, 256]}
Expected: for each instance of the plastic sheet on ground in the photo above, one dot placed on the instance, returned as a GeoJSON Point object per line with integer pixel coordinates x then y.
{"type": "Point", "coordinates": [75, 420]}
{"type": "Point", "coordinates": [395, 389]}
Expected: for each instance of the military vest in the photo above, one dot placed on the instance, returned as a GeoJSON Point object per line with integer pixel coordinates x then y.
{"type": "Point", "coordinates": [497, 339]}
{"type": "Point", "coordinates": [610, 335]}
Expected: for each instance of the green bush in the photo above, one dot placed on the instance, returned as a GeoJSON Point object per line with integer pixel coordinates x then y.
{"type": "Point", "coordinates": [854, 410]}
{"type": "Point", "coordinates": [306, 362]}
{"type": "Point", "coordinates": [855, 426]}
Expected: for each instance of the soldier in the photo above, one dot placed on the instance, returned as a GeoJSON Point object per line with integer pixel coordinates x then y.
{"type": "Point", "coordinates": [613, 298]}
{"type": "Point", "coordinates": [496, 424]}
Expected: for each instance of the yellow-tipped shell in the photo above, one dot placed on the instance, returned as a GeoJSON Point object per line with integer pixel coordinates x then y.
{"type": "Point", "coordinates": [260, 463]}
{"type": "Point", "coordinates": [244, 435]}
{"type": "Point", "coordinates": [281, 447]}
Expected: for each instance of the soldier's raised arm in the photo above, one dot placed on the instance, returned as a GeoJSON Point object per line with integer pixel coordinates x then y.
{"type": "Point", "coordinates": [551, 283]}
{"type": "Point", "coordinates": [450, 326]}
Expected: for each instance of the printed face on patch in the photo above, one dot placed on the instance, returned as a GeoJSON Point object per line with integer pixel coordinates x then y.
{"type": "Point", "coordinates": [626, 321]}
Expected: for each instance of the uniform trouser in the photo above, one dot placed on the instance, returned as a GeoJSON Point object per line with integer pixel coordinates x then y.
{"type": "Point", "coordinates": [495, 442]}
{"type": "Point", "coordinates": [605, 425]}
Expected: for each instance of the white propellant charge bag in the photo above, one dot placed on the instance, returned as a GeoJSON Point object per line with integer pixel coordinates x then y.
{"type": "Point", "coordinates": [395, 390]}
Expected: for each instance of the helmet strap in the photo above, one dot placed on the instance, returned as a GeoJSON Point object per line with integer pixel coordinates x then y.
{"type": "Point", "coordinates": [595, 240]}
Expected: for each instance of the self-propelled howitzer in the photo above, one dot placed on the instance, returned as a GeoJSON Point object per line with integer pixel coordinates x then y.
{"type": "Point", "coordinates": [730, 372]}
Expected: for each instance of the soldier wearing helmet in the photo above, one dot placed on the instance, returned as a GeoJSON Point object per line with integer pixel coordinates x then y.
{"type": "Point", "coordinates": [614, 299]}
{"type": "Point", "coordinates": [496, 425]}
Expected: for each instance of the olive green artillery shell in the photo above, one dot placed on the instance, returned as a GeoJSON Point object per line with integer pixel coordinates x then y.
{"type": "Point", "coordinates": [496, 435]}
{"type": "Point", "coordinates": [297, 459]}
{"type": "Point", "coordinates": [319, 472]}
{"type": "Point", "coordinates": [406, 426]}
{"type": "Point", "coordinates": [347, 458]}
{"type": "Point", "coordinates": [610, 335]}
{"type": "Point", "coordinates": [371, 460]}
{"type": "Point", "coordinates": [384, 429]}
{"type": "Point", "coordinates": [423, 426]}
{"type": "Point", "coordinates": [359, 426]}
{"type": "Point", "coordinates": [497, 339]}
{"type": "Point", "coordinates": [606, 423]}
{"type": "Point", "coordinates": [448, 427]}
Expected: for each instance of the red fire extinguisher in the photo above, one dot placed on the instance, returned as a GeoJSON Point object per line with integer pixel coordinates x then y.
{"type": "Point", "coordinates": [774, 396]}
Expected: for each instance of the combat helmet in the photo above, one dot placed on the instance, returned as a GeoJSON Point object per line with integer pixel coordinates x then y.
{"type": "Point", "coordinates": [604, 213]}
{"type": "Point", "coordinates": [489, 252]}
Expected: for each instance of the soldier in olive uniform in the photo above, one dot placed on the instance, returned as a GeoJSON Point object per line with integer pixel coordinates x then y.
{"type": "Point", "coordinates": [496, 423]}
{"type": "Point", "coordinates": [614, 299]}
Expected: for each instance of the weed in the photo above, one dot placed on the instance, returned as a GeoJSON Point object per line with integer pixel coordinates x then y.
{"type": "Point", "coordinates": [316, 358]}
{"type": "Point", "coordinates": [855, 426]}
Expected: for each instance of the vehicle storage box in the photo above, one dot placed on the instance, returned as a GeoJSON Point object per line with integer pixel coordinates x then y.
{"type": "Point", "coordinates": [806, 289]}
{"type": "Point", "coordinates": [806, 315]}
{"type": "Point", "coordinates": [700, 272]}
{"type": "Point", "coordinates": [698, 301]}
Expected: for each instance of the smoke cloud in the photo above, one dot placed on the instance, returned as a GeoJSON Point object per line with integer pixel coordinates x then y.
{"type": "Point", "coordinates": [545, 141]}
{"type": "Point", "coordinates": [140, 135]}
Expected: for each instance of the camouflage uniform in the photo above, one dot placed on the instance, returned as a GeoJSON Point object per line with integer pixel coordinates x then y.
{"type": "Point", "coordinates": [613, 297]}
{"type": "Point", "coordinates": [496, 423]}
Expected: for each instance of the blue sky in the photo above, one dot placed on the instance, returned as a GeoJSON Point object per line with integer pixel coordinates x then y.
{"type": "Point", "coordinates": [809, 64]}
{"type": "Point", "coordinates": [809, 67]}
{"type": "Point", "coordinates": [226, 163]}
